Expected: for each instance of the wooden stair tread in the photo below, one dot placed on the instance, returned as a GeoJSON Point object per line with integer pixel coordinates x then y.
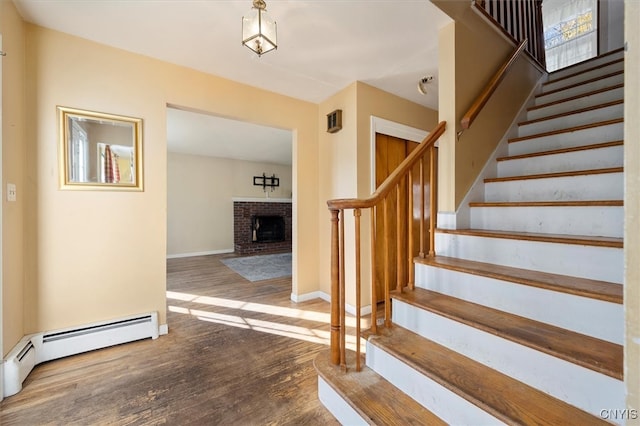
{"type": "Point", "coordinates": [507, 399]}
{"type": "Point", "coordinates": [373, 397]}
{"type": "Point", "coordinates": [575, 74]}
{"type": "Point", "coordinates": [595, 203]}
{"type": "Point", "coordinates": [563, 150]}
{"type": "Point", "coordinates": [594, 289]}
{"type": "Point", "coordinates": [586, 351]}
{"type": "Point", "coordinates": [586, 240]}
{"type": "Point", "coordinates": [557, 174]}
{"type": "Point", "coordinates": [567, 130]}
{"type": "Point", "coordinates": [568, 113]}
{"type": "Point", "coordinates": [581, 83]}
{"type": "Point", "coordinates": [573, 98]}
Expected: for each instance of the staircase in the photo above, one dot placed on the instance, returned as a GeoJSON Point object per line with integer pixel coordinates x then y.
{"type": "Point", "coordinates": [519, 319]}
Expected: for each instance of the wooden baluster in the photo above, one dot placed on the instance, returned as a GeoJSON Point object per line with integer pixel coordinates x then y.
{"type": "Point", "coordinates": [539, 34]}
{"type": "Point", "coordinates": [399, 237]}
{"type": "Point", "coordinates": [432, 201]}
{"type": "Point", "coordinates": [335, 288]}
{"type": "Point", "coordinates": [410, 231]}
{"type": "Point", "coordinates": [422, 200]}
{"type": "Point", "coordinates": [343, 337]}
{"type": "Point", "coordinates": [374, 290]}
{"type": "Point", "coordinates": [387, 255]}
{"type": "Point", "coordinates": [357, 214]}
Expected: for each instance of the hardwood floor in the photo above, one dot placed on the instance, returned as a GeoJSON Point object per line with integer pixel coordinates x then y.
{"type": "Point", "coordinates": [237, 353]}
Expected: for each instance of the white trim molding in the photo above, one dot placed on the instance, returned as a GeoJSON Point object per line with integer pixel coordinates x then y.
{"type": "Point", "coordinates": [199, 253]}
{"type": "Point", "coordinates": [350, 309]}
{"type": "Point", "coordinates": [261, 200]}
{"type": "Point", "coordinates": [297, 298]}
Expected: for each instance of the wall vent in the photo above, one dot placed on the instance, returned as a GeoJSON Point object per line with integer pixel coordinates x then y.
{"type": "Point", "coordinates": [334, 121]}
{"type": "Point", "coordinates": [41, 347]}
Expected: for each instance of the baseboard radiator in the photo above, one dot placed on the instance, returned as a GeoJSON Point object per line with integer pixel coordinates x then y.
{"type": "Point", "coordinates": [41, 347]}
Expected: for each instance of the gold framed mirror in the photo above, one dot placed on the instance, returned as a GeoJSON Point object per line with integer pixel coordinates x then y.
{"type": "Point", "coordinates": [99, 151]}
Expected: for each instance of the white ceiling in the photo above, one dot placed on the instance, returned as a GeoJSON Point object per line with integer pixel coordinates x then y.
{"type": "Point", "coordinates": [323, 46]}
{"type": "Point", "coordinates": [203, 134]}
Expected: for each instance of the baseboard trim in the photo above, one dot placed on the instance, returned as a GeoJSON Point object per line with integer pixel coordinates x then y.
{"type": "Point", "coordinates": [163, 329]}
{"type": "Point", "coordinates": [297, 298]}
{"type": "Point", "coordinates": [199, 253]}
{"type": "Point", "coordinates": [350, 309]}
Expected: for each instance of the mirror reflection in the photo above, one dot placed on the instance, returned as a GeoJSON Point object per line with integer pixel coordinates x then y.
{"type": "Point", "coordinates": [99, 151]}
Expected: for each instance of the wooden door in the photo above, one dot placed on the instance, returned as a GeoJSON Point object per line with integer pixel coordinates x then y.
{"type": "Point", "coordinates": [390, 151]}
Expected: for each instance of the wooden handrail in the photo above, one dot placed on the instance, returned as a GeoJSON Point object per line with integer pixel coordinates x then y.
{"type": "Point", "coordinates": [392, 180]}
{"type": "Point", "coordinates": [491, 87]}
{"type": "Point", "coordinates": [393, 236]}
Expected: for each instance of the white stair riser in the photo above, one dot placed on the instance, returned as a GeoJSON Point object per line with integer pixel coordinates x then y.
{"type": "Point", "coordinates": [442, 402]}
{"type": "Point", "coordinates": [337, 406]}
{"type": "Point", "coordinates": [587, 117]}
{"type": "Point", "coordinates": [579, 90]}
{"type": "Point", "coordinates": [597, 263]}
{"type": "Point", "coordinates": [556, 83]}
{"type": "Point", "coordinates": [572, 105]}
{"type": "Point", "coordinates": [586, 65]}
{"type": "Point", "coordinates": [588, 159]}
{"type": "Point", "coordinates": [596, 318]}
{"type": "Point", "coordinates": [557, 377]}
{"type": "Point", "coordinates": [605, 186]}
{"type": "Point", "coordinates": [599, 134]}
{"type": "Point", "coordinates": [597, 221]}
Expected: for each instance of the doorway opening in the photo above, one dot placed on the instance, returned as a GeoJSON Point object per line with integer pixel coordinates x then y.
{"type": "Point", "coordinates": [212, 163]}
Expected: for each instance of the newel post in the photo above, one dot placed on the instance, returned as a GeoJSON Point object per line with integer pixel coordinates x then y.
{"type": "Point", "coordinates": [335, 288]}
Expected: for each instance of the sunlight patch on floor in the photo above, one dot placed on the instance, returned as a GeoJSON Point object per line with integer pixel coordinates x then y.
{"type": "Point", "coordinates": [258, 307]}
{"type": "Point", "coordinates": [312, 335]}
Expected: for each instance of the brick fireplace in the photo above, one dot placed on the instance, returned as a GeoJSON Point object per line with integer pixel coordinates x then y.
{"type": "Point", "coordinates": [261, 225]}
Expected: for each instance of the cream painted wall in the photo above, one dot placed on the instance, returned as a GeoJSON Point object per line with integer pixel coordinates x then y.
{"type": "Point", "coordinates": [470, 53]}
{"type": "Point", "coordinates": [447, 113]}
{"type": "Point", "coordinates": [338, 174]}
{"type": "Point", "coordinates": [632, 205]}
{"type": "Point", "coordinates": [99, 255]}
{"type": "Point", "coordinates": [475, 146]}
{"type": "Point", "coordinates": [339, 179]}
{"type": "Point", "coordinates": [199, 199]}
{"type": "Point", "coordinates": [13, 163]}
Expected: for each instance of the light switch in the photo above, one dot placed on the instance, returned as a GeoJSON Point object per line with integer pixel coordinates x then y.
{"type": "Point", "coordinates": [11, 192]}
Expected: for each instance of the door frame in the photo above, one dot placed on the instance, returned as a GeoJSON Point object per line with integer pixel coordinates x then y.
{"type": "Point", "coordinates": [390, 128]}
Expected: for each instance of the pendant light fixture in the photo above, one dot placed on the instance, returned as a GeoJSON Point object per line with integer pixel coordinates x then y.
{"type": "Point", "coordinates": [259, 30]}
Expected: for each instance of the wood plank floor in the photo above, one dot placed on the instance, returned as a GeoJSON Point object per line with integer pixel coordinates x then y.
{"type": "Point", "coordinates": [237, 353]}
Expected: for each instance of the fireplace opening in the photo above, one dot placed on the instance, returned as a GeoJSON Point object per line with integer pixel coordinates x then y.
{"type": "Point", "coordinates": [267, 229]}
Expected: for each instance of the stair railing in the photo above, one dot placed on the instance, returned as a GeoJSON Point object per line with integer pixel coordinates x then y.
{"type": "Point", "coordinates": [518, 20]}
{"type": "Point", "coordinates": [400, 181]}
{"type": "Point", "coordinates": [491, 87]}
